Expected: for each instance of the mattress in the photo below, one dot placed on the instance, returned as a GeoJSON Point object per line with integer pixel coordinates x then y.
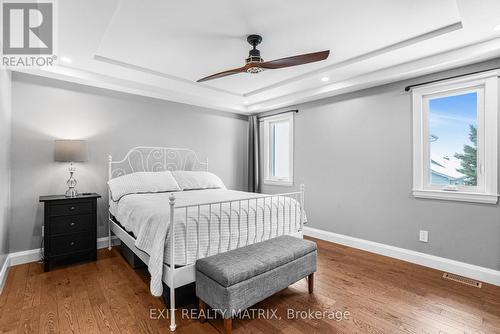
{"type": "Point", "coordinates": [249, 218]}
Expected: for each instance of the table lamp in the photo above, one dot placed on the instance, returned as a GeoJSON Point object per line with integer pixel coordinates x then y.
{"type": "Point", "coordinates": [71, 151]}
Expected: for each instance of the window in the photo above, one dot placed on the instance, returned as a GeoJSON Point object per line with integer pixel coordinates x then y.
{"type": "Point", "coordinates": [278, 149]}
{"type": "Point", "coordinates": [455, 139]}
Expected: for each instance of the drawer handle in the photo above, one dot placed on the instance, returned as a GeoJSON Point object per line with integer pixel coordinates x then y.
{"type": "Point", "coordinates": [72, 208]}
{"type": "Point", "coordinates": [72, 243]}
{"type": "Point", "coordinates": [72, 224]}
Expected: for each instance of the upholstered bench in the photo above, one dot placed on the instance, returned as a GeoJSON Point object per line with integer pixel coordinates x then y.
{"type": "Point", "coordinates": [233, 281]}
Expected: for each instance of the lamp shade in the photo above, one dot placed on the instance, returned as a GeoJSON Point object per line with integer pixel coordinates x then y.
{"type": "Point", "coordinates": [71, 151]}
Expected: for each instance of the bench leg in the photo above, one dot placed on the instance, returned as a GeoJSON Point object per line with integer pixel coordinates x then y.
{"type": "Point", "coordinates": [228, 325]}
{"type": "Point", "coordinates": [310, 282]}
{"type": "Point", "coordinates": [202, 308]}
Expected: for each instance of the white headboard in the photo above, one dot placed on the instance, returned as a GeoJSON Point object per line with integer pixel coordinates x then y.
{"type": "Point", "coordinates": [153, 159]}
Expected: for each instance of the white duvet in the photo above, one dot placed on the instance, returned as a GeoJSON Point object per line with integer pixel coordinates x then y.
{"type": "Point", "coordinates": [147, 216]}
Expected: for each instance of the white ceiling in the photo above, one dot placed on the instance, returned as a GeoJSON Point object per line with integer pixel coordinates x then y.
{"type": "Point", "coordinates": [160, 48]}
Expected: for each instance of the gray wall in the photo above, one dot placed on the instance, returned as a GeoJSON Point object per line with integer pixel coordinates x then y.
{"type": "Point", "coordinates": [353, 152]}
{"type": "Point", "coordinates": [5, 138]}
{"type": "Point", "coordinates": [45, 109]}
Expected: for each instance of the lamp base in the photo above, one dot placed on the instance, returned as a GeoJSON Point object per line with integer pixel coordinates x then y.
{"type": "Point", "coordinates": [71, 192]}
{"type": "Point", "coordinates": [71, 183]}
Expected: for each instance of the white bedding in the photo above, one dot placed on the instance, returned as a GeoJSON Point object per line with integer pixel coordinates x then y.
{"type": "Point", "coordinates": [147, 217]}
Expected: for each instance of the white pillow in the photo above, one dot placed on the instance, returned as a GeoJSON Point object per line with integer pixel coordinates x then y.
{"type": "Point", "coordinates": [191, 180]}
{"type": "Point", "coordinates": [142, 182]}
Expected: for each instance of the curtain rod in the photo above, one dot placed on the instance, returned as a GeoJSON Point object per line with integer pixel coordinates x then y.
{"type": "Point", "coordinates": [278, 113]}
{"type": "Point", "coordinates": [407, 88]}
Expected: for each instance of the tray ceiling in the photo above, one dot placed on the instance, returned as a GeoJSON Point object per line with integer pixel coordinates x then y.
{"type": "Point", "coordinates": [160, 48]}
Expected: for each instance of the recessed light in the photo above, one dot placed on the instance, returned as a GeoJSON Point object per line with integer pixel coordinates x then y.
{"type": "Point", "coordinates": [325, 79]}
{"type": "Point", "coordinates": [66, 60]}
{"type": "Point", "coordinates": [497, 27]}
{"type": "Point", "coordinates": [245, 102]}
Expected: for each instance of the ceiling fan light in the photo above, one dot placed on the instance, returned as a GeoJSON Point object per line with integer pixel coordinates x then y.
{"type": "Point", "coordinates": [255, 69]}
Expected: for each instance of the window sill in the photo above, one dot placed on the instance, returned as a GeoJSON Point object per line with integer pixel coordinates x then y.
{"type": "Point", "coordinates": [457, 196]}
{"type": "Point", "coordinates": [278, 183]}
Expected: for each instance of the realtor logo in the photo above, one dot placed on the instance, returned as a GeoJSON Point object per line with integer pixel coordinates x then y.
{"type": "Point", "coordinates": [27, 33]}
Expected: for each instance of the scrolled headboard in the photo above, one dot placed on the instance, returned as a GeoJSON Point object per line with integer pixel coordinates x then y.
{"type": "Point", "coordinates": [153, 159]}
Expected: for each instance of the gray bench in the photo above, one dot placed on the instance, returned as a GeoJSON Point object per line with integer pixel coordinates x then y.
{"type": "Point", "coordinates": [233, 281]}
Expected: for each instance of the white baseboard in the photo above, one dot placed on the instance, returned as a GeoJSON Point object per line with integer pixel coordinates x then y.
{"type": "Point", "coordinates": [3, 273]}
{"type": "Point", "coordinates": [440, 263]}
{"type": "Point", "coordinates": [103, 242]}
{"type": "Point", "coordinates": [28, 256]}
{"type": "Point", "coordinates": [33, 255]}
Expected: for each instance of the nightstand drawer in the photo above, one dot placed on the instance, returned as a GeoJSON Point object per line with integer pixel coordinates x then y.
{"type": "Point", "coordinates": [70, 224]}
{"type": "Point", "coordinates": [71, 208]}
{"type": "Point", "coordinates": [71, 243]}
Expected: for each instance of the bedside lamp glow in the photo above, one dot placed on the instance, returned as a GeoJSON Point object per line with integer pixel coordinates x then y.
{"type": "Point", "coordinates": [71, 151]}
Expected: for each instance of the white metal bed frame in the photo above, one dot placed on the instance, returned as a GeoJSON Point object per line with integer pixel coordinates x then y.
{"type": "Point", "coordinates": [144, 158]}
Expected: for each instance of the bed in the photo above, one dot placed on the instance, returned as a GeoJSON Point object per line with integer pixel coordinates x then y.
{"type": "Point", "coordinates": [206, 221]}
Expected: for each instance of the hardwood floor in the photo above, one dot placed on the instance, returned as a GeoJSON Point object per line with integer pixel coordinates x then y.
{"type": "Point", "coordinates": [382, 295]}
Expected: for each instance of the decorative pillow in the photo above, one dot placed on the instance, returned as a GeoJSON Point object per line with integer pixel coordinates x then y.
{"type": "Point", "coordinates": [142, 182]}
{"type": "Point", "coordinates": [192, 180]}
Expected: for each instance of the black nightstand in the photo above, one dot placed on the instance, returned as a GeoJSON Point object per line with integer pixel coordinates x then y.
{"type": "Point", "coordinates": [70, 228]}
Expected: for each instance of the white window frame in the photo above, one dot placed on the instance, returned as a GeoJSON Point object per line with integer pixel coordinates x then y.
{"type": "Point", "coordinates": [486, 86]}
{"type": "Point", "coordinates": [267, 122]}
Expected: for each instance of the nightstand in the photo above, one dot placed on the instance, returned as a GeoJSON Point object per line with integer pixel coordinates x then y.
{"type": "Point", "coordinates": [70, 228]}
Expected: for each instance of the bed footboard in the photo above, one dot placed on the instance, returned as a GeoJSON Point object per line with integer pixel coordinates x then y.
{"type": "Point", "coordinates": [273, 205]}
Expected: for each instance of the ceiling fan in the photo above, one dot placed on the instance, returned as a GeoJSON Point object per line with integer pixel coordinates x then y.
{"type": "Point", "coordinates": [255, 64]}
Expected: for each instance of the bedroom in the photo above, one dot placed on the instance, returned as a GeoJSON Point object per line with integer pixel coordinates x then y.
{"type": "Point", "coordinates": [375, 146]}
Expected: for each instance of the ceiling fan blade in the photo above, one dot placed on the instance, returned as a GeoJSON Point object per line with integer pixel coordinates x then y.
{"type": "Point", "coordinates": [296, 60]}
{"type": "Point", "coordinates": [223, 74]}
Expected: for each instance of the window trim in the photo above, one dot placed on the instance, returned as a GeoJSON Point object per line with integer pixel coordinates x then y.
{"type": "Point", "coordinates": [268, 179]}
{"type": "Point", "coordinates": [486, 190]}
